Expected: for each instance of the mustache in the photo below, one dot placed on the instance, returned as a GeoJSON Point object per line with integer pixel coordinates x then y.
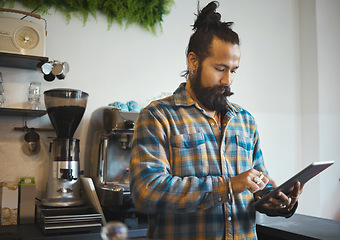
{"type": "Point", "coordinates": [223, 88]}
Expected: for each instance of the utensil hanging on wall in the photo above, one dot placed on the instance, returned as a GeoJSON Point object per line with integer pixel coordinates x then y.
{"type": "Point", "coordinates": [53, 69]}
{"type": "Point", "coordinates": [32, 140]}
{"type": "Point", "coordinates": [60, 69]}
{"type": "Point", "coordinates": [31, 143]}
{"type": "Point", "coordinates": [46, 69]}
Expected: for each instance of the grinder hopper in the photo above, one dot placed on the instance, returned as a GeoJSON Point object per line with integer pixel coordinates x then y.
{"type": "Point", "coordinates": [65, 108]}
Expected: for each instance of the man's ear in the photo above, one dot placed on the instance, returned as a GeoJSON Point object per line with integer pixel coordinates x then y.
{"type": "Point", "coordinates": [192, 61]}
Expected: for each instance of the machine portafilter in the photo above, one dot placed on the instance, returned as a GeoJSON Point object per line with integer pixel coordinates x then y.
{"type": "Point", "coordinates": [65, 108]}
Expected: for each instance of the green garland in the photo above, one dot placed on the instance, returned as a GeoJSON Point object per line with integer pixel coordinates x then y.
{"type": "Point", "coordinates": [147, 13]}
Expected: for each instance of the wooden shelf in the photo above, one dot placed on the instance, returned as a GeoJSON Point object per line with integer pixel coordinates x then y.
{"type": "Point", "coordinates": [22, 112]}
{"type": "Point", "coordinates": [21, 61]}
{"type": "Point", "coordinates": [25, 62]}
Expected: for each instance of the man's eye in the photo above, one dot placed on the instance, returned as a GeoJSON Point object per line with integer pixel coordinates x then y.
{"type": "Point", "coordinates": [220, 69]}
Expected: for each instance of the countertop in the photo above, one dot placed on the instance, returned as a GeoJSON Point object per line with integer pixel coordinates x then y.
{"type": "Point", "coordinates": [298, 227]}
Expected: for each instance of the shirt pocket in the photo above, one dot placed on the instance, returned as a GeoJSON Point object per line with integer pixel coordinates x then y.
{"type": "Point", "coordinates": [244, 153]}
{"type": "Point", "coordinates": [189, 155]}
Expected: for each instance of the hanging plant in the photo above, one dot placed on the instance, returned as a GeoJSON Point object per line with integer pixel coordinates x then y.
{"type": "Point", "coordinates": [147, 13]}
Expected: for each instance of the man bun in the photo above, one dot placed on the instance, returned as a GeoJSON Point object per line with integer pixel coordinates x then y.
{"type": "Point", "coordinates": [208, 18]}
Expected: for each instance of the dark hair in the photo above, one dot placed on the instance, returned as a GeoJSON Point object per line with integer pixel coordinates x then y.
{"type": "Point", "coordinates": [207, 25]}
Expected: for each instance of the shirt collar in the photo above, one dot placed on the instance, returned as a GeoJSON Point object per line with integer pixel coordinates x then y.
{"type": "Point", "coordinates": [182, 97]}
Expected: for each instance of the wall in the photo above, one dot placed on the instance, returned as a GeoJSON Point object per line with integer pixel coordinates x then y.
{"type": "Point", "coordinates": [131, 64]}
{"type": "Point", "coordinates": [309, 101]}
{"type": "Point", "coordinates": [328, 19]}
{"type": "Point", "coordinates": [319, 57]}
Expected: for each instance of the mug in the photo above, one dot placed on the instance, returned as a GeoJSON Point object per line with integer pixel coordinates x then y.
{"type": "Point", "coordinates": [33, 141]}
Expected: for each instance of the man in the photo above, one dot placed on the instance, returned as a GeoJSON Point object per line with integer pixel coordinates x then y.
{"type": "Point", "coordinates": [196, 164]}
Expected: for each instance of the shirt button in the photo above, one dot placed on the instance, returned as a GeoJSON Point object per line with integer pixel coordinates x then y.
{"type": "Point", "coordinates": [212, 124]}
{"type": "Point", "coordinates": [220, 199]}
{"type": "Point", "coordinates": [229, 218]}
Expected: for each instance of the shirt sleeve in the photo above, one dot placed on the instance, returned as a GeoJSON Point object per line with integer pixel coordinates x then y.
{"type": "Point", "coordinates": [153, 188]}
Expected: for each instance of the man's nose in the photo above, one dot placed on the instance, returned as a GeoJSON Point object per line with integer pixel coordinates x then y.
{"type": "Point", "coordinates": [227, 79]}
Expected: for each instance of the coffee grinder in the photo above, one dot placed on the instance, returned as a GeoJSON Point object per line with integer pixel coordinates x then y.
{"type": "Point", "coordinates": [65, 108]}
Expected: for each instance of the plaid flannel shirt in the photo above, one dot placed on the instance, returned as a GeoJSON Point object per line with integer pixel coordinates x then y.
{"type": "Point", "coordinates": [180, 166]}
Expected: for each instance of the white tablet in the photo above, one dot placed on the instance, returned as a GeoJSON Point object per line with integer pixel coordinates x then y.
{"type": "Point", "coordinates": [303, 176]}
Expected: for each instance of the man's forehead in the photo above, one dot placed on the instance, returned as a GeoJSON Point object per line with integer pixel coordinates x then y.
{"type": "Point", "coordinates": [224, 50]}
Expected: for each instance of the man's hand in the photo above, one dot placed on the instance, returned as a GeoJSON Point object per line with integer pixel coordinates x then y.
{"type": "Point", "coordinates": [251, 180]}
{"type": "Point", "coordinates": [282, 202]}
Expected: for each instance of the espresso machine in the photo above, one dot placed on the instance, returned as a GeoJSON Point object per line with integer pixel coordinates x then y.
{"type": "Point", "coordinates": [111, 132]}
{"type": "Point", "coordinates": [65, 108]}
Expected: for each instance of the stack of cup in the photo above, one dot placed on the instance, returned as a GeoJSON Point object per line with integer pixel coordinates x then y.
{"type": "Point", "coordinates": [131, 106]}
{"type": "Point", "coordinates": [119, 105]}
{"type": "Point", "coordinates": [33, 101]}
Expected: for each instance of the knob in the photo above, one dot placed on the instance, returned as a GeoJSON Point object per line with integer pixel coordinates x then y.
{"type": "Point", "coordinates": [129, 124]}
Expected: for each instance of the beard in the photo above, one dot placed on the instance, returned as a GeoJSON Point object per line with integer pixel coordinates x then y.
{"type": "Point", "coordinates": [212, 98]}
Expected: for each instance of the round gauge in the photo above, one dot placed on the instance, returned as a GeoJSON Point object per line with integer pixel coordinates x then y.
{"type": "Point", "coordinates": [26, 38]}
